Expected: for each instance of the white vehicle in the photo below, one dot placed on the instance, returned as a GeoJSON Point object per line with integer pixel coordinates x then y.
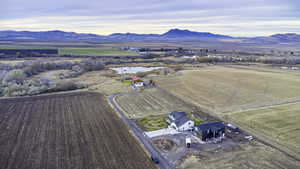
{"type": "Point", "coordinates": [188, 142]}
{"type": "Point", "coordinates": [249, 137]}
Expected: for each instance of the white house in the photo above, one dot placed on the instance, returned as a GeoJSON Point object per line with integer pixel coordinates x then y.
{"type": "Point", "coordinates": [180, 121]}
{"type": "Point", "coordinates": [138, 84]}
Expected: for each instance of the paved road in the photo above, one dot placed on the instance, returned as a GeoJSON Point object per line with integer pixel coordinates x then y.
{"type": "Point", "coordinates": [163, 162]}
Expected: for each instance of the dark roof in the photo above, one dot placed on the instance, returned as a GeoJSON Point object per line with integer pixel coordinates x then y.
{"type": "Point", "coordinates": [212, 126]}
{"type": "Point", "coordinates": [181, 121]}
{"type": "Point", "coordinates": [178, 115]}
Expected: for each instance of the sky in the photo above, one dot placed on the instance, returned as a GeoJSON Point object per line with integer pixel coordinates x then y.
{"type": "Point", "coordinates": [229, 17]}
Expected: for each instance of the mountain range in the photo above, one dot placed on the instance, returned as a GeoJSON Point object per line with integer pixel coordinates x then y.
{"type": "Point", "coordinates": [171, 35]}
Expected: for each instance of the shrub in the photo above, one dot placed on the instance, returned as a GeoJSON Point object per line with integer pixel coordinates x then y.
{"type": "Point", "coordinates": [15, 89]}
{"type": "Point", "coordinates": [15, 76]}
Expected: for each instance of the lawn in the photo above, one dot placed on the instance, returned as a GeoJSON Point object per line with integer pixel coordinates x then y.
{"type": "Point", "coordinates": [96, 52]}
{"type": "Point", "coordinates": [196, 120]}
{"type": "Point", "coordinates": [152, 123]}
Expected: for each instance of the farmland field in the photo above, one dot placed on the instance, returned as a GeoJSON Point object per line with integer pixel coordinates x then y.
{"type": "Point", "coordinates": [223, 89]}
{"type": "Point", "coordinates": [90, 51]}
{"type": "Point", "coordinates": [230, 92]}
{"type": "Point", "coordinates": [152, 101]}
{"type": "Point", "coordinates": [66, 131]}
{"type": "Point", "coordinates": [281, 123]}
{"type": "Point", "coordinates": [96, 52]}
{"type": "Point", "coordinates": [247, 156]}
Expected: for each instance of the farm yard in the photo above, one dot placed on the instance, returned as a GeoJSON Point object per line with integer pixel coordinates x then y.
{"type": "Point", "coordinates": [64, 131]}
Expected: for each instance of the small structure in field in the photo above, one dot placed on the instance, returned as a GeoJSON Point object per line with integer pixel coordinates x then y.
{"type": "Point", "coordinates": [210, 131]}
{"type": "Point", "coordinates": [179, 121]}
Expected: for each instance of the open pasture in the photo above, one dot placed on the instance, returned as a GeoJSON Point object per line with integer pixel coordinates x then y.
{"type": "Point", "coordinates": [281, 123]}
{"type": "Point", "coordinates": [225, 89]}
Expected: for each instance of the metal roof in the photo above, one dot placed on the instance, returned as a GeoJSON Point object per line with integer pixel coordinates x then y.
{"type": "Point", "coordinates": [181, 121]}
{"type": "Point", "coordinates": [178, 115]}
{"type": "Point", "coordinates": [212, 126]}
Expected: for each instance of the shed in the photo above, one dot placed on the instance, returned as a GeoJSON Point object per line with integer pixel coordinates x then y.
{"type": "Point", "coordinates": [211, 130]}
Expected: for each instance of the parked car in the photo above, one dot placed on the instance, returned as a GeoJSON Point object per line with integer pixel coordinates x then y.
{"type": "Point", "coordinates": [155, 160]}
{"type": "Point", "coordinates": [232, 128]}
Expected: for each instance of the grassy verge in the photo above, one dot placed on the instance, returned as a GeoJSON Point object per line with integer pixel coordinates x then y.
{"type": "Point", "coordinates": [152, 123]}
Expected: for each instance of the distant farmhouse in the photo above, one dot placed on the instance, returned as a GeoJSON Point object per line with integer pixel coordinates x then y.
{"type": "Point", "coordinates": [210, 131]}
{"type": "Point", "coordinates": [180, 121]}
{"type": "Point", "coordinates": [28, 52]}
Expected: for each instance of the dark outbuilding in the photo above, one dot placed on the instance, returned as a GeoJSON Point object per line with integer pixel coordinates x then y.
{"type": "Point", "coordinates": [210, 131]}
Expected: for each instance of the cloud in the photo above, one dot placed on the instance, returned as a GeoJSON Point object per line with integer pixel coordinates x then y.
{"type": "Point", "coordinates": [241, 18]}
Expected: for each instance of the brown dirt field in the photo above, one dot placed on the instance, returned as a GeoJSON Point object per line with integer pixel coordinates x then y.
{"type": "Point", "coordinates": [66, 131]}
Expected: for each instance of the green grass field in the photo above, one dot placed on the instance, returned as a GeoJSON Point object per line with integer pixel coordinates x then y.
{"type": "Point", "coordinates": [281, 123]}
{"type": "Point", "coordinates": [152, 123]}
{"type": "Point", "coordinates": [24, 47]}
{"type": "Point", "coordinates": [96, 52]}
{"type": "Point", "coordinates": [78, 51]}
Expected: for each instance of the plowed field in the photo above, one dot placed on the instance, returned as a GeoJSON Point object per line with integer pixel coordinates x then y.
{"type": "Point", "coordinates": [66, 131]}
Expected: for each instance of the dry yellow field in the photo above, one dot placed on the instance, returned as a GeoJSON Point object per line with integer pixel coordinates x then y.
{"type": "Point", "coordinates": [100, 81]}
{"type": "Point", "coordinates": [239, 94]}
{"type": "Point", "coordinates": [223, 89]}
{"type": "Point", "coordinates": [151, 101]}
{"type": "Point", "coordinates": [281, 123]}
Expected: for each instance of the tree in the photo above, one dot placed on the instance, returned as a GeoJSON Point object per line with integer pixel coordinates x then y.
{"type": "Point", "coordinates": [16, 76]}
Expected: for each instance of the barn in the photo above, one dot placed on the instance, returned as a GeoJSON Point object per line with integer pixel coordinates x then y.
{"type": "Point", "coordinates": [210, 131]}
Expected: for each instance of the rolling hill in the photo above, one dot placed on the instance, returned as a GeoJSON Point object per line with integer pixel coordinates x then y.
{"type": "Point", "coordinates": [171, 35]}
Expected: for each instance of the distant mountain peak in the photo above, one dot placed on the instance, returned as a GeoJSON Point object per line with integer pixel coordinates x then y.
{"type": "Point", "coordinates": [287, 37]}
{"type": "Point", "coordinates": [177, 33]}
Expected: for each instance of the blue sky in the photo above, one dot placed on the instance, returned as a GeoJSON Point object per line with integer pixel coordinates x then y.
{"type": "Point", "coordinates": [231, 17]}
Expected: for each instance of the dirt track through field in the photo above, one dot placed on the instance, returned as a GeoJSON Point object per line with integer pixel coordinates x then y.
{"type": "Point", "coordinates": [64, 131]}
